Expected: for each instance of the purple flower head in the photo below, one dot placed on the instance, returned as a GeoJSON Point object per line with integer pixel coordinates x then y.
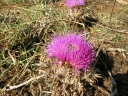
{"type": "Point", "coordinates": [72, 48]}
{"type": "Point", "coordinates": [73, 3]}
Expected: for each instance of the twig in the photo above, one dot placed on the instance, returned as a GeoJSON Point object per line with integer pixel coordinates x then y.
{"type": "Point", "coordinates": [24, 9]}
{"type": "Point", "coordinates": [24, 83]}
{"type": "Point", "coordinates": [122, 2]}
{"type": "Point", "coordinates": [112, 11]}
{"type": "Point", "coordinates": [116, 49]}
{"type": "Point", "coordinates": [37, 64]}
{"type": "Point", "coordinates": [11, 56]}
{"type": "Point", "coordinates": [119, 31]}
{"type": "Point", "coordinates": [99, 49]}
{"type": "Point", "coordinates": [46, 92]}
{"type": "Point", "coordinates": [75, 22]}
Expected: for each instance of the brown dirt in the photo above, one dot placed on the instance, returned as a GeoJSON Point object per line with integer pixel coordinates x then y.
{"type": "Point", "coordinates": [107, 61]}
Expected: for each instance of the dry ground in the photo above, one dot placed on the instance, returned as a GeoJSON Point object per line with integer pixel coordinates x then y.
{"type": "Point", "coordinates": [26, 29]}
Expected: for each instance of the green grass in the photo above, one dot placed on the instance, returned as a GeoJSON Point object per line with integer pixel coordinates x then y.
{"type": "Point", "coordinates": [8, 2]}
{"type": "Point", "coordinates": [26, 31]}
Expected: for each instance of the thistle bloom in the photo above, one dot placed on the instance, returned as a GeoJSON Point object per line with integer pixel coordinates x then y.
{"type": "Point", "coordinates": [73, 49]}
{"type": "Point", "coordinates": [73, 3]}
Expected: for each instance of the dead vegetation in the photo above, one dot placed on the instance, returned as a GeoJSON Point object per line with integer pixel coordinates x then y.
{"type": "Point", "coordinates": [26, 29]}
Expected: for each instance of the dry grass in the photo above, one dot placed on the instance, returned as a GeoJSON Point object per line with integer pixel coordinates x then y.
{"type": "Point", "coordinates": [26, 29]}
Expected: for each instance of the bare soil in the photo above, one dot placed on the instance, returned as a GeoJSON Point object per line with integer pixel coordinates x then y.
{"type": "Point", "coordinates": [111, 64]}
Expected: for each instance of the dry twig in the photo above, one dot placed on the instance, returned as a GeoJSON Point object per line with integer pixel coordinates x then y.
{"type": "Point", "coordinates": [12, 57]}
{"type": "Point", "coordinates": [116, 49]}
{"type": "Point", "coordinates": [119, 31]}
{"type": "Point", "coordinates": [24, 83]}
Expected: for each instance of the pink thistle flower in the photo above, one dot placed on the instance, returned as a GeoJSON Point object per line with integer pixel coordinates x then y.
{"type": "Point", "coordinates": [72, 48]}
{"type": "Point", "coordinates": [73, 3]}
